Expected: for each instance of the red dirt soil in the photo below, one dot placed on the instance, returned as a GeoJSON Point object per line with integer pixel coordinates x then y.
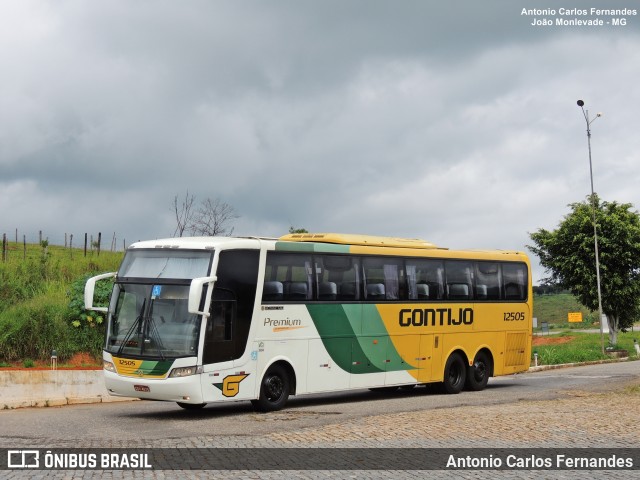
{"type": "Point", "coordinates": [548, 340]}
{"type": "Point", "coordinates": [79, 361]}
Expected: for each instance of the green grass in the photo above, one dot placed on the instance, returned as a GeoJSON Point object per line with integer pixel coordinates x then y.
{"type": "Point", "coordinates": [36, 311]}
{"type": "Point", "coordinates": [554, 309]}
{"type": "Point", "coordinates": [583, 347]}
{"type": "Point", "coordinates": [28, 363]}
{"type": "Point", "coordinates": [633, 389]}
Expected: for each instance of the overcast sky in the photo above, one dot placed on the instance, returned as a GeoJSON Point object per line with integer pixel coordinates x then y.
{"type": "Point", "coordinates": [455, 122]}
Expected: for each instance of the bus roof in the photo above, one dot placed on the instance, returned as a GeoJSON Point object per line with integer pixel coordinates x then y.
{"type": "Point", "coordinates": [328, 243]}
{"type": "Point", "coordinates": [363, 240]}
{"type": "Point", "coordinates": [198, 243]}
{"type": "Point", "coordinates": [367, 244]}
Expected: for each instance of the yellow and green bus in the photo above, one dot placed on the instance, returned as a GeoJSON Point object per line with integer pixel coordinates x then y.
{"type": "Point", "coordinates": [212, 319]}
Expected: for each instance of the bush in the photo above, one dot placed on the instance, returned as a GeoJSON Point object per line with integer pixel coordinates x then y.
{"type": "Point", "coordinates": [41, 309]}
{"type": "Point", "coordinates": [81, 318]}
{"type": "Point", "coordinates": [43, 265]}
{"type": "Point", "coordinates": [21, 282]}
{"type": "Point", "coordinates": [34, 328]}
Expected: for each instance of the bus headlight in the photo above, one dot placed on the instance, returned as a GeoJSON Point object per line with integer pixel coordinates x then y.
{"type": "Point", "coordinates": [184, 371]}
{"type": "Point", "coordinates": [108, 366]}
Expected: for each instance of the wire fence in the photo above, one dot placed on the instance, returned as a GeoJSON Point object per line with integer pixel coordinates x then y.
{"type": "Point", "coordinates": [15, 246]}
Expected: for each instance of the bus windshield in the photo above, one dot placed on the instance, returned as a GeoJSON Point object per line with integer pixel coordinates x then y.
{"type": "Point", "coordinates": [152, 321]}
{"type": "Point", "coordinates": [158, 263]}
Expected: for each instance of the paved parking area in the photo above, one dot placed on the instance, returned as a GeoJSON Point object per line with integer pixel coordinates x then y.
{"type": "Point", "coordinates": [576, 420]}
{"type": "Point", "coordinates": [579, 420]}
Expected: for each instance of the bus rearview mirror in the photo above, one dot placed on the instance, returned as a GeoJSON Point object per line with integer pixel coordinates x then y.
{"type": "Point", "coordinates": [195, 294]}
{"type": "Point", "coordinates": [89, 290]}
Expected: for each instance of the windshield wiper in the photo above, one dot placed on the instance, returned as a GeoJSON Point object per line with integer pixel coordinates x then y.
{"type": "Point", "coordinates": [151, 332]}
{"type": "Point", "coordinates": [132, 328]}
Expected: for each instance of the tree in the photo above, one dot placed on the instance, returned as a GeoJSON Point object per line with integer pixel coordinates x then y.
{"type": "Point", "coordinates": [568, 254]}
{"type": "Point", "coordinates": [547, 289]}
{"type": "Point", "coordinates": [297, 230]}
{"type": "Point", "coordinates": [210, 218]}
{"type": "Point", "coordinates": [213, 218]}
{"type": "Point", "coordinates": [184, 213]}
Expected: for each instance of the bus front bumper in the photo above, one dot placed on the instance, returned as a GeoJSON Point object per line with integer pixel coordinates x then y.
{"type": "Point", "coordinates": [182, 389]}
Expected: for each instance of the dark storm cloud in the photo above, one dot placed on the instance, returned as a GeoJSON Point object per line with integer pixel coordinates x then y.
{"type": "Point", "coordinates": [414, 118]}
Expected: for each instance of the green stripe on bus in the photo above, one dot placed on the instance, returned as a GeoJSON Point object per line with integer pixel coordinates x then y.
{"type": "Point", "coordinates": [376, 344]}
{"type": "Point", "coordinates": [336, 325]}
{"type": "Point", "coordinates": [149, 367]}
{"type": "Point", "coordinates": [311, 247]}
{"type": "Point", "coordinates": [353, 347]}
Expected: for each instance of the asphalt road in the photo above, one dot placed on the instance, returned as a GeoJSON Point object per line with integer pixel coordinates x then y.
{"type": "Point", "coordinates": [143, 423]}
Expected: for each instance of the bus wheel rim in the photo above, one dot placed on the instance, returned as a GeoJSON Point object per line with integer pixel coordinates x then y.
{"type": "Point", "coordinates": [274, 388]}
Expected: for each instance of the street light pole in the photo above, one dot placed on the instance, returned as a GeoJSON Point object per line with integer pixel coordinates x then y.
{"type": "Point", "coordinates": [595, 229]}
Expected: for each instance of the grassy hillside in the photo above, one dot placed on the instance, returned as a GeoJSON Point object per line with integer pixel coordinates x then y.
{"type": "Point", "coordinates": [554, 309]}
{"type": "Point", "coordinates": [40, 301]}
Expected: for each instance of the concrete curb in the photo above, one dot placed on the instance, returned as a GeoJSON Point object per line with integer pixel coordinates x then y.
{"type": "Point", "coordinates": [52, 388]}
{"type": "Point", "coordinates": [542, 368]}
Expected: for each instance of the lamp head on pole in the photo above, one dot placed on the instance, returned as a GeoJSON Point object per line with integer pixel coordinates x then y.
{"type": "Point", "coordinates": [586, 113]}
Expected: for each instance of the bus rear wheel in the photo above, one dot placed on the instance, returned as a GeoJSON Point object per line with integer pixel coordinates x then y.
{"type": "Point", "coordinates": [274, 390]}
{"type": "Point", "coordinates": [478, 374]}
{"type": "Point", "coordinates": [455, 373]}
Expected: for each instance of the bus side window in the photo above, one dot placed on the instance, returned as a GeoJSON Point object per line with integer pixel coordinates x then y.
{"type": "Point", "coordinates": [219, 334]}
{"type": "Point", "coordinates": [385, 278]}
{"type": "Point", "coordinates": [459, 280]}
{"type": "Point", "coordinates": [232, 305]}
{"type": "Point", "coordinates": [221, 320]}
{"type": "Point", "coordinates": [488, 281]}
{"type": "Point", "coordinates": [337, 278]}
{"type": "Point", "coordinates": [425, 279]}
{"type": "Point", "coordinates": [514, 277]}
{"type": "Point", "coordinates": [292, 272]}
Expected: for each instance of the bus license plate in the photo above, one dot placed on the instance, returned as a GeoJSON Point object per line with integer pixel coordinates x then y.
{"type": "Point", "coordinates": [141, 388]}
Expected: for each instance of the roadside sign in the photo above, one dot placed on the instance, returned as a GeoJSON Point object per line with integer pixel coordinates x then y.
{"type": "Point", "coordinates": [575, 317]}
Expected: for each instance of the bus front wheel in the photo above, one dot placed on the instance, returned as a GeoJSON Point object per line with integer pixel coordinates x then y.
{"type": "Point", "coordinates": [274, 390]}
{"type": "Point", "coordinates": [454, 374]}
